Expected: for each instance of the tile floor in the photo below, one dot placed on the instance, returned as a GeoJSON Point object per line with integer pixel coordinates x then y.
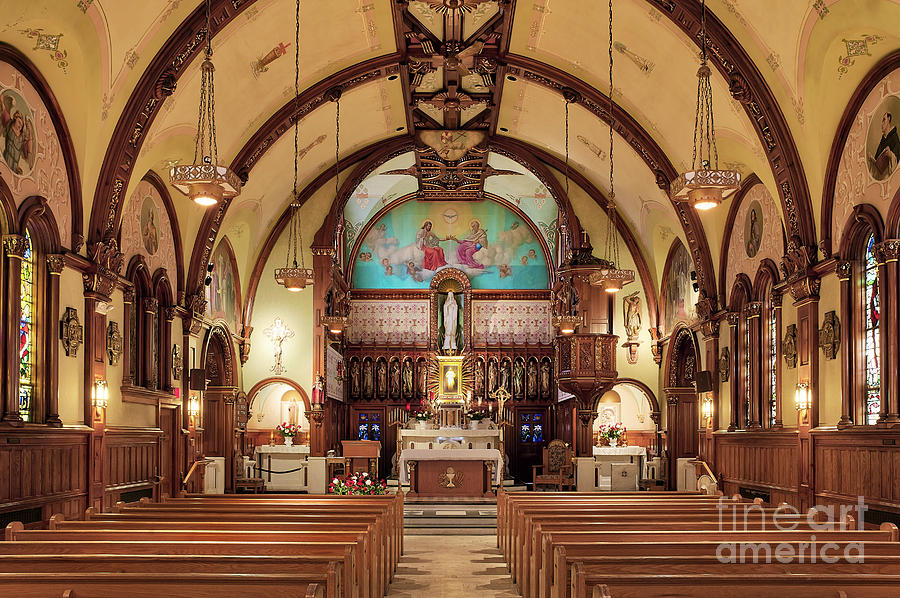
{"type": "Point", "coordinates": [451, 567]}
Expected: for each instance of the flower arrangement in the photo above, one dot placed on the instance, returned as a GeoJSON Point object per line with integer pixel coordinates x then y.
{"type": "Point", "coordinates": [357, 484]}
{"type": "Point", "coordinates": [287, 430]}
{"type": "Point", "coordinates": [476, 416]}
{"type": "Point", "coordinates": [612, 431]}
{"type": "Point", "coordinates": [422, 416]}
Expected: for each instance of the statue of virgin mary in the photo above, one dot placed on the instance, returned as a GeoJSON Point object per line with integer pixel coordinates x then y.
{"type": "Point", "coordinates": [451, 322]}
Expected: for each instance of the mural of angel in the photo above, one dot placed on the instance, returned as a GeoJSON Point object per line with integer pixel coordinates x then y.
{"type": "Point", "coordinates": [18, 133]}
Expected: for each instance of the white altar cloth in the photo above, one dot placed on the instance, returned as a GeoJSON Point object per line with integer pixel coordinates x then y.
{"type": "Point", "coordinates": [451, 455]}
{"type": "Point", "coordinates": [283, 467]}
{"type": "Point", "coordinates": [607, 454]}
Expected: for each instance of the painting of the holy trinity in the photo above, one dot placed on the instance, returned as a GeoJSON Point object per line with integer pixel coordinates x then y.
{"type": "Point", "coordinates": [490, 243]}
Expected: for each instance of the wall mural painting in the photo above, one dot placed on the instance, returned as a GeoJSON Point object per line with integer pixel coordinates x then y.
{"type": "Point", "coordinates": [221, 294]}
{"type": "Point", "coordinates": [679, 296]}
{"type": "Point", "coordinates": [487, 241]}
{"type": "Point", "coordinates": [17, 133]}
{"type": "Point", "coordinates": [753, 228]}
{"type": "Point", "coordinates": [882, 142]}
{"type": "Point", "coordinates": [149, 226]}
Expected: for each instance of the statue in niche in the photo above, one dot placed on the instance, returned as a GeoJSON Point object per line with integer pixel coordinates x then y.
{"type": "Point", "coordinates": [354, 378]}
{"type": "Point", "coordinates": [382, 378]}
{"type": "Point", "coordinates": [395, 378]}
{"type": "Point", "coordinates": [407, 379]}
{"type": "Point", "coordinates": [451, 322]}
{"type": "Point", "coordinates": [479, 379]}
{"type": "Point", "coordinates": [504, 376]}
{"type": "Point", "coordinates": [420, 386]}
{"type": "Point", "coordinates": [632, 315]}
{"type": "Point", "coordinates": [532, 380]}
{"type": "Point", "coordinates": [368, 379]}
{"type": "Point", "coordinates": [492, 377]}
{"type": "Point", "coordinates": [545, 379]}
{"type": "Point", "coordinates": [519, 379]}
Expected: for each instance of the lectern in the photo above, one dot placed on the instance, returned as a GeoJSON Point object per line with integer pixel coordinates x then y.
{"type": "Point", "coordinates": [362, 455]}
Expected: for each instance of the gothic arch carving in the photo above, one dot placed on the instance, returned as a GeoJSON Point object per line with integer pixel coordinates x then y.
{"type": "Point", "coordinates": [682, 360]}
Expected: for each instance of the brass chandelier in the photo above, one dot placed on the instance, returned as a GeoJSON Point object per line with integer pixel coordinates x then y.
{"type": "Point", "coordinates": [205, 181]}
{"type": "Point", "coordinates": [608, 276]}
{"type": "Point", "coordinates": [295, 277]}
{"type": "Point", "coordinates": [704, 186]}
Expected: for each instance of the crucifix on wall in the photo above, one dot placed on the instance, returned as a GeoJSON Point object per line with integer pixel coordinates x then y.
{"type": "Point", "coordinates": [278, 332]}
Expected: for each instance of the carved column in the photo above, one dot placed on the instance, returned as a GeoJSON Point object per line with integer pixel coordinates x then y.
{"type": "Point", "coordinates": [754, 322]}
{"type": "Point", "coordinates": [584, 433]}
{"type": "Point", "coordinates": [710, 331]}
{"type": "Point", "coordinates": [318, 435]}
{"type": "Point", "coordinates": [848, 380]}
{"type": "Point", "coordinates": [55, 265]}
{"type": "Point", "coordinates": [888, 255]}
{"type": "Point", "coordinates": [14, 251]}
{"type": "Point", "coordinates": [733, 319]}
{"type": "Point", "coordinates": [149, 366]}
{"type": "Point", "coordinates": [127, 337]}
{"type": "Point", "coordinates": [165, 349]}
{"type": "Point", "coordinates": [779, 394]}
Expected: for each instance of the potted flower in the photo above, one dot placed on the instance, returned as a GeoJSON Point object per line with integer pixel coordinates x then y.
{"type": "Point", "coordinates": [475, 418]}
{"type": "Point", "coordinates": [357, 484]}
{"type": "Point", "coordinates": [288, 431]}
{"type": "Point", "coordinates": [422, 418]}
{"type": "Point", "coordinates": [613, 432]}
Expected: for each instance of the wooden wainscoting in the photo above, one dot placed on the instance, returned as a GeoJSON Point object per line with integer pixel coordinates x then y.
{"type": "Point", "coordinates": [131, 462]}
{"type": "Point", "coordinates": [759, 461]}
{"type": "Point", "coordinates": [43, 471]}
{"type": "Point", "coordinates": [853, 463]}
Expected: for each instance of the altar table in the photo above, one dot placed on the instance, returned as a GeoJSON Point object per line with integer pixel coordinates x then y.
{"type": "Point", "coordinates": [449, 472]}
{"type": "Point", "coordinates": [283, 467]}
{"type": "Point", "coordinates": [623, 454]}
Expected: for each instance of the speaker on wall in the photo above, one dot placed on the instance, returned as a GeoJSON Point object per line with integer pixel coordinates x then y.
{"type": "Point", "coordinates": [704, 381]}
{"type": "Point", "coordinates": [198, 379]}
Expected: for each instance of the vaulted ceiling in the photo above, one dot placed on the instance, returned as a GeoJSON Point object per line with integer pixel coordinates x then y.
{"type": "Point", "coordinates": [399, 65]}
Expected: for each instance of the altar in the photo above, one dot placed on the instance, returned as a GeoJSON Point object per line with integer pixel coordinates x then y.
{"type": "Point", "coordinates": [443, 472]}
{"type": "Point", "coordinates": [283, 467]}
{"type": "Point", "coordinates": [449, 437]}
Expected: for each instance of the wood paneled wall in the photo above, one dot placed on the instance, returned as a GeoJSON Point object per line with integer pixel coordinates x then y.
{"type": "Point", "coordinates": [766, 461]}
{"type": "Point", "coordinates": [131, 461]}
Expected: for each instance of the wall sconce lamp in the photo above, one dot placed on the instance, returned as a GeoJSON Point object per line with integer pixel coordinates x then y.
{"type": "Point", "coordinates": [706, 408]}
{"type": "Point", "coordinates": [194, 407]}
{"type": "Point", "coordinates": [802, 397]}
{"type": "Point", "coordinates": [100, 395]}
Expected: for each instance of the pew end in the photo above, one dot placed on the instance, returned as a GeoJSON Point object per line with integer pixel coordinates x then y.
{"type": "Point", "coordinates": [890, 527]}
{"type": "Point", "coordinates": [12, 529]}
{"type": "Point", "coordinates": [89, 513]}
{"type": "Point", "coordinates": [55, 520]}
{"type": "Point", "coordinates": [602, 591]}
{"type": "Point", "coordinates": [315, 590]}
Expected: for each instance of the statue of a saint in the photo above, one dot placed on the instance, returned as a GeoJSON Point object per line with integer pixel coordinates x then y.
{"type": "Point", "coordinates": [492, 377]}
{"type": "Point", "coordinates": [504, 376]}
{"type": "Point", "coordinates": [368, 378]}
{"type": "Point", "coordinates": [382, 379]}
{"type": "Point", "coordinates": [532, 379]}
{"type": "Point", "coordinates": [545, 379]}
{"type": "Point", "coordinates": [479, 379]}
{"type": "Point", "coordinates": [632, 315]}
{"type": "Point", "coordinates": [395, 378]}
{"type": "Point", "coordinates": [354, 378]}
{"type": "Point", "coordinates": [407, 379]}
{"type": "Point", "coordinates": [451, 322]}
{"type": "Point", "coordinates": [519, 379]}
{"type": "Point", "coordinates": [422, 379]}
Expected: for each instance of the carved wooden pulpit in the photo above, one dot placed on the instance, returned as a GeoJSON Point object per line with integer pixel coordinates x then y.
{"type": "Point", "coordinates": [362, 455]}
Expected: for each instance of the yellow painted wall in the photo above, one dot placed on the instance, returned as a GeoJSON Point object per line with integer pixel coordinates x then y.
{"type": "Point", "coordinates": [830, 370]}
{"type": "Point", "coordinates": [71, 369]}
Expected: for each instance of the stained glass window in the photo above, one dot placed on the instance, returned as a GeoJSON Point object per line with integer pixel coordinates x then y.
{"type": "Point", "coordinates": [531, 427]}
{"type": "Point", "coordinates": [746, 373]}
{"type": "Point", "coordinates": [872, 382]}
{"type": "Point", "coordinates": [773, 364]}
{"type": "Point", "coordinates": [26, 335]}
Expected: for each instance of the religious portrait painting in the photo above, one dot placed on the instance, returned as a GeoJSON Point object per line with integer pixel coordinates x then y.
{"type": "Point", "coordinates": [753, 229]}
{"type": "Point", "coordinates": [222, 292]}
{"type": "Point", "coordinates": [17, 133]}
{"type": "Point", "coordinates": [150, 225]}
{"type": "Point", "coordinates": [450, 382]}
{"type": "Point", "coordinates": [882, 141]}
{"type": "Point", "coordinates": [404, 248]}
{"type": "Point", "coordinates": [680, 299]}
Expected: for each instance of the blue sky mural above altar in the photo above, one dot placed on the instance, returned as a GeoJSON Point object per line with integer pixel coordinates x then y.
{"type": "Point", "coordinates": [493, 245]}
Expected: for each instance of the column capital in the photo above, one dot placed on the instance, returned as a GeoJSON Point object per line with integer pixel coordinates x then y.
{"type": "Point", "coordinates": [56, 263]}
{"type": "Point", "coordinates": [15, 245]}
{"type": "Point", "coordinates": [733, 318]}
{"type": "Point", "coordinates": [844, 270]}
{"type": "Point", "coordinates": [888, 251]}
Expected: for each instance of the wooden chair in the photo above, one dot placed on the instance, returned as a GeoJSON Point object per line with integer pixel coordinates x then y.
{"type": "Point", "coordinates": [242, 480]}
{"type": "Point", "coordinates": [557, 469]}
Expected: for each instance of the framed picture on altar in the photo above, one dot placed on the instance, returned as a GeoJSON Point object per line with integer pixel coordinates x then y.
{"type": "Point", "coordinates": [450, 378]}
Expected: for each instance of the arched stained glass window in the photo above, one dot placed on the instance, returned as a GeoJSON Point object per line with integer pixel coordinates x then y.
{"type": "Point", "coordinates": [26, 334]}
{"type": "Point", "coordinates": [746, 371]}
{"type": "Point", "coordinates": [872, 341]}
{"type": "Point", "coordinates": [773, 365]}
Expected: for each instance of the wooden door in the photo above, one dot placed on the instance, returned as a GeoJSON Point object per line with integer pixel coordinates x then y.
{"type": "Point", "coordinates": [531, 435]}
{"type": "Point", "coordinates": [168, 484]}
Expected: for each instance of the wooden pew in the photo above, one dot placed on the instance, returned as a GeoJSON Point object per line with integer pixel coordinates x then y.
{"type": "Point", "coordinates": [820, 585]}
{"type": "Point", "coordinates": [154, 585]}
{"type": "Point", "coordinates": [323, 571]}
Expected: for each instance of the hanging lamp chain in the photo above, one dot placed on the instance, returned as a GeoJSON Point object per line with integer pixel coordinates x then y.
{"type": "Point", "coordinates": [611, 249]}
{"type": "Point", "coordinates": [567, 148]}
{"type": "Point", "coordinates": [205, 144]}
{"type": "Point", "coordinates": [705, 153]}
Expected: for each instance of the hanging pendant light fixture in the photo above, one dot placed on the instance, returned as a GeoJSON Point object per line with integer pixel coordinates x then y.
{"type": "Point", "coordinates": [205, 181]}
{"type": "Point", "coordinates": [704, 186]}
{"type": "Point", "coordinates": [295, 277]}
{"type": "Point", "coordinates": [609, 276]}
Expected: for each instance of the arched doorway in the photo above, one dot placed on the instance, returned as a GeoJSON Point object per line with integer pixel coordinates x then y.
{"type": "Point", "coordinates": [682, 406]}
{"type": "Point", "coordinates": [634, 404]}
{"type": "Point", "coordinates": [272, 401]}
{"type": "Point", "coordinates": [219, 424]}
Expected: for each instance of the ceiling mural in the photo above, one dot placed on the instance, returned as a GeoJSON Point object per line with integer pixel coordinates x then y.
{"type": "Point", "coordinates": [493, 245]}
{"type": "Point", "coordinates": [868, 170]}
